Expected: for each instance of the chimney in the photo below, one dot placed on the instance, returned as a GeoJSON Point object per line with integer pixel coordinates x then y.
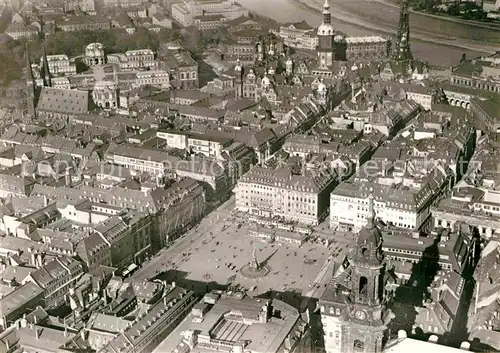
{"type": "Point", "coordinates": [433, 339]}
{"type": "Point", "coordinates": [465, 346]}
{"type": "Point", "coordinates": [35, 319]}
{"type": "Point", "coordinates": [67, 179]}
{"type": "Point", "coordinates": [34, 259]}
{"type": "Point", "coordinates": [45, 201]}
{"type": "Point", "coordinates": [38, 332]}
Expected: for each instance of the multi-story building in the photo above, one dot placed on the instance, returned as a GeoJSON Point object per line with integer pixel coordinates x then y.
{"type": "Point", "coordinates": [184, 13]}
{"type": "Point", "coordinates": [353, 308]}
{"type": "Point", "coordinates": [129, 238]}
{"type": "Point", "coordinates": [480, 209]}
{"type": "Point", "coordinates": [367, 48]}
{"type": "Point", "coordinates": [482, 74]}
{"type": "Point", "coordinates": [209, 22]}
{"type": "Point", "coordinates": [200, 114]}
{"type": "Point", "coordinates": [87, 6]}
{"type": "Point", "coordinates": [134, 59]}
{"type": "Point", "coordinates": [299, 35]}
{"type": "Point", "coordinates": [422, 95]}
{"type": "Point", "coordinates": [56, 278]}
{"type": "Point", "coordinates": [453, 250]}
{"type": "Point", "coordinates": [156, 78]}
{"type": "Point", "coordinates": [210, 146]}
{"type": "Point", "coordinates": [155, 323]}
{"type": "Point", "coordinates": [396, 205]}
{"type": "Point", "coordinates": [83, 23]}
{"type": "Point", "coordinates": [15, 304]}
{"type": "Point", "coordinates": [137, 158]}
{"type": "Point", "coordinates": [64, 103]}
{"type": "Point", "coordinates": [279, 192]}
{"type": "Point", "coordinates": [253, 316]}
{"type": "Point", "coordinates": [184, 207]}
{"type": "Point", "coordinates": [18, 30]}
{"type": "Point", "coordinates": [182, 67]}
{"type": "Point", "coordinates": [485, 112]}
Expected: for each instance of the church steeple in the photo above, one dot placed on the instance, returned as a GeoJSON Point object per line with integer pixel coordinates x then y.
{"type": "Point", "coordinates": [402, 52]}
{"type": "Point", "coordinates": [29, 70]}
{"type": "Point", "coordinates": [327, 15]}
{"type": "Point", "coordinates": [47, 82]}
{"type": "Point", "coordinates": [30, 85]}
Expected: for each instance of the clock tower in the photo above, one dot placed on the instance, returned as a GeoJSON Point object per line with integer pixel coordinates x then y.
{"type": "Point", "coordinates": [326, 44]}
{"type": "Point", "coordinates": [353, 310]}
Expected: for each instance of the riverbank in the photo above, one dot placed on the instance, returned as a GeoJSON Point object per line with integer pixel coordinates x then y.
{"type": "Point", "coordinates": [487, 25]}
{"type": "Point", "coordinates": [292, 11]}
{"type": "Point", "coordinates": [442, 39]}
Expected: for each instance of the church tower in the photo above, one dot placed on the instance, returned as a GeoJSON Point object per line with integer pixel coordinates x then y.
{"type": "Point", "coordinates": [353, 310]}
{"type": "Point", "coordinates": [47, 82]}
{"type": "Point", "coordinates": [30, 86]}
{"type": "Point", "coordinates": [402, 50]}
{"type": "Point", "coordinates": [326, 46]}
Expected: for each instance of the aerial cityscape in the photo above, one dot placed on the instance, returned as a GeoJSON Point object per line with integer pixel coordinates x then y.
{"type": "Point", "coordinates": [281, 176]}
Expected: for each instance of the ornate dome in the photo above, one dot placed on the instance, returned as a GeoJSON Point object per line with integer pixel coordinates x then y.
{"type": "Point", "coordinates": [266, 81]}
{"type": "Point", "coordinates": [94, 50]}
{"type": "Point", "coordinates": [325, 29]}
{"type": "Point", "coordinates": [369, 242]}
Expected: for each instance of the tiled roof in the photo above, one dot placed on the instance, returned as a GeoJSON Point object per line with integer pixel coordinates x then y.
{"type": "Point", "coordinates": [64, 101]}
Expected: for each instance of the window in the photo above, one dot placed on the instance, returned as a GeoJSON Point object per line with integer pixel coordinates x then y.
{"type": "Point", "coordinates": [363, 285]}
{"type": "Point", "coordinates": [359, 346]}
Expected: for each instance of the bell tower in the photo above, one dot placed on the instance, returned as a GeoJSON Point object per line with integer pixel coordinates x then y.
{"type": "Point", "coordinates": [354, 316]}
{"type": "Point", "coordinates": [326, 47]}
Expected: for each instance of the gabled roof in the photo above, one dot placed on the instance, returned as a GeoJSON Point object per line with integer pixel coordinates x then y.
{"type": "Point", "coordinates": [64, 101]}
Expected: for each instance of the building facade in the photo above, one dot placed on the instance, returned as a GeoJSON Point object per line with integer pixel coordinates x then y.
{"type": "Point", "coordinates": [299, 35]}
{"type": "Point", "coordinates": [269, 193]}
{"type": "Point", "coordinates": [367, 48]}
{"type": "Point", "coordinates": [352, 309]}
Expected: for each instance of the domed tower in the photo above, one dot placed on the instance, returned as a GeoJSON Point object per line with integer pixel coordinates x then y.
{"type": "Point", "coordinates": [238, 72]}
{"type": "Point", "coordinates": [322, 93]}
{"type": "Point", "coordinates": [366, 328]}
{"type": "Point", "coordinates": [289, 67]}
{"type": "Point", "coordinates": [326, 35]}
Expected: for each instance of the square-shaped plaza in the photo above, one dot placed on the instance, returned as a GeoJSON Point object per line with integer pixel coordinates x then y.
{"type": "Point", "coordinates": [219, 256]}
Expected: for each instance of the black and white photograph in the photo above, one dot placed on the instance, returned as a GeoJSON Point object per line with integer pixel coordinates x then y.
{"type": "Point", "coordinates": [249, 176]}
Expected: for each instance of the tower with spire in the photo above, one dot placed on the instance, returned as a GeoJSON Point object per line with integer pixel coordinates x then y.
{"type": "Point", "coordinates": [47, 82]}
{"type": "Point", "coordinates": [326, 33]}
{"type": "Point", "coordinates": [353, 310]}
{"type": "Point", "coordinates": [30, 86]}
{"type": "Point", "coordinates": [402, 50]}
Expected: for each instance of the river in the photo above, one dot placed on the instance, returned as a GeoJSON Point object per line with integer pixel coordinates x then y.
{"type": "Point", "coordinates": [434, 40]}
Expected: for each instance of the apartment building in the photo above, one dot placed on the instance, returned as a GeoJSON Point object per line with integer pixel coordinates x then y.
{"type": "Point", "coordinates": [280, 192]}
{"type": "Point", "coordinates": [210, 146]}
{"type": "Point", "coordinates": [395, 205]}
{"type": "Point", "coordinates": [56, 278]}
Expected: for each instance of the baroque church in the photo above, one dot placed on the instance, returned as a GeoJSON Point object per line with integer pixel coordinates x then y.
{"type": "Point", "coordinates": [353, 311]}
